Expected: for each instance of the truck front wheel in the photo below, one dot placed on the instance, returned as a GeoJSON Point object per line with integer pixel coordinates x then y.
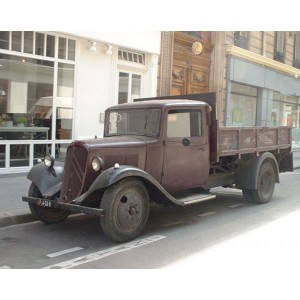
{"type": "Point", "coordinates": [126, 210]}
{"type": "Point", "coordinates": [46, 215]}
{"type": "Point", "coordinates": [265, 185]}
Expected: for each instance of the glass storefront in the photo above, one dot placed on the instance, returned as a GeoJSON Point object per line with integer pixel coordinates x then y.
{"type": "Point", "coordinates": [243, 105]}
{"type": "Point", "coordinates": [286, 112]}
{"type": "Point", "coordinates": [281, 110]}
{"type": "Point", "coordinates": [36, 96]}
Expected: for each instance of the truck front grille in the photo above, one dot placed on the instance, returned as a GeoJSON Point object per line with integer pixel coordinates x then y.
{"type": "Point", "coordinates": [74, 172]}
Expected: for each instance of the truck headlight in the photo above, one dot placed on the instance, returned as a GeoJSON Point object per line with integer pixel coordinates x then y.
{"type": "Point", "coordinates": [49, 161]}
{"type": "Point", "coordinates": [97, 163]}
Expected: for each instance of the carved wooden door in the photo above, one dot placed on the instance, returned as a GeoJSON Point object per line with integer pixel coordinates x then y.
{"type": "Point", "coordinates": [190, 71]}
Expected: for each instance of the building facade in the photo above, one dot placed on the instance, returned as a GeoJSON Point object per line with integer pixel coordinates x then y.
{"type": "Point", "coordinates": [255, 75]}
{"type": "Point", "coordinates": [55, 87]}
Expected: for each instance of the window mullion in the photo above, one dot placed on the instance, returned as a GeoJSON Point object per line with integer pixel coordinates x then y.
{"type": "Point", "coordinates": [129, 88]}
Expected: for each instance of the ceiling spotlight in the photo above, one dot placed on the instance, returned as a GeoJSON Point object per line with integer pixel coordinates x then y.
{"type": "Point", "coordinates": [93, 46]}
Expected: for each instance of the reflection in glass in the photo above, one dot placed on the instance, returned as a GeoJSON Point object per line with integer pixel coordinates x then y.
{"type": "Point", "coordinates": [19, 155]}
{"type": "Point", "coordinates": [16, 43]}
{"type": "Point", "coordinates": [61, 151]}
{"type": "Point", "coordinates": [39, 43]}
{"type": "Point", "coordinates": [4, 40]}
{"type": "Point", "coordinates": [26, 110]}
{"type": "Point", "coordinates": [64, 101]}
{"type": "Point", "coordinates": [28, 42]}
{"type": "Point", "coordinates": [39, 152]}
{"type": "Point", "coordinates": [2, 155]}
{"type": "Point", "coordinates": [62, 48]}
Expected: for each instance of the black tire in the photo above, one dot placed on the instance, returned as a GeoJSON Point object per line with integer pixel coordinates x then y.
{"type": "Point", "coordinates": [44, 214]}
{"type": "Point", "coordinates": [265, 185]}
{"type": "Point", "coordinates": [126, 210]}
{"type": "Point", "coordinates": [248, 195]}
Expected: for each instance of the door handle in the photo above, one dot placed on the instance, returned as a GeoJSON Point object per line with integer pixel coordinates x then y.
{"type": "Point", "coordinates": [186, 141]}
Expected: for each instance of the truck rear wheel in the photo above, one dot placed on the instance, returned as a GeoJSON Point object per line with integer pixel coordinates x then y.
{"type": "Point", "coordinates": [126, 210]}
{"type": "Point", "coordinates": [265, 185]}
{"type": "Point", "coordinates": [46, 215]}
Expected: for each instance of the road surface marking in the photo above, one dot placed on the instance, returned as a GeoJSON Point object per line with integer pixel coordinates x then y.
{"type": "Point", "coordinates": [64, 252]}
{"type": "Point", "coordinates": [5, 267]}
{"type": "Point", "coordinates": [104, 253]}
{"type": "Point", "coordinates": [172, 223]}
{"type": "Point", "coordinates": [207, 214]}
{"type": "Point", "coordinates": [236, 205]}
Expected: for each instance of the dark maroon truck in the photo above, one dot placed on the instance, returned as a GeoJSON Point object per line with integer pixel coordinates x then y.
{"type": "Point", "coordinates": [165, 150]}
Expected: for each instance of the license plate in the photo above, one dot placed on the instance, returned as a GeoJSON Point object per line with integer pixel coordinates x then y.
{"type": "Point", "coordinates": [44, 203]}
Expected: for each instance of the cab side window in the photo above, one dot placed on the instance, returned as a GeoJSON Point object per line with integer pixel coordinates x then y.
{"type": "Point", "coordinates": [182, 123]}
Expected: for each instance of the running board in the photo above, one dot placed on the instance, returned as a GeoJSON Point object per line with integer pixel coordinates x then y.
{"type": "Point", "coordinates": [192, 199]}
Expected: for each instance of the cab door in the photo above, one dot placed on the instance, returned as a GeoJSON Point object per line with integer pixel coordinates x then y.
{"type": "Point", "coordinates": [186, 149]}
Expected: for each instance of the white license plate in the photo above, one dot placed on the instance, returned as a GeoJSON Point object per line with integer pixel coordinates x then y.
{"type": "Point", "coordinates": [44, 203]}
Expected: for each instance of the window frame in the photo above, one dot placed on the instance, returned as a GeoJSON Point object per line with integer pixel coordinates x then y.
{"type": "Point", "coordinates": [241, 39]}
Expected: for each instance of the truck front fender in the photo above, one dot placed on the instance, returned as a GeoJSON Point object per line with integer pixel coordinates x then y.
{"type": "Point", "coordinates": [113, 175]}
{"type": "Point", "coordinates": [247, 173]}
{"type": "Point", "coordinates": [48, 180]}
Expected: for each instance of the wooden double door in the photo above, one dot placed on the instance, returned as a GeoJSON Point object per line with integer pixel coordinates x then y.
{"type": "Point", "coordinates": [190, 71]}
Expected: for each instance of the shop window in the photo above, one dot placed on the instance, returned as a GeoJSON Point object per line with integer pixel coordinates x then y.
{"type": "Point", "coordinates": [19, 155]}
{"type": "Point", "coordinates": [39, 43]}
{"type": "Point", "coordinates": [28, 42]}
{"type": "Point", "coordinates": [4, 40]}
{"type": "Point", "coordinates": [243, 105]}
{"type": "Point", "coordinates": [285, 110]}
{"type": "Point", "coordinates": [129, 87]}
{"type": "Point", "coordinates": [240, 39]}
{"type": "Point", "coordinates": [66, 49]}
{"type": "Point", "coordinates": [279, 46]}
{"type": "Point", "coordinates": [16, 41]}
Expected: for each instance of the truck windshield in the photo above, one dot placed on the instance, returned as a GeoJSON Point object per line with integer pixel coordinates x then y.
{"type": "Point", "coordinates": [133, 122]}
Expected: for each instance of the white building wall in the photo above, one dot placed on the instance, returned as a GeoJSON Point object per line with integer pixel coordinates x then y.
{"type": "Point", "coordinates": [146, 41]}
{"type": "Point", "coordinates": [96, 75]}
{"type": "Point", "coordinates": [93, 90]}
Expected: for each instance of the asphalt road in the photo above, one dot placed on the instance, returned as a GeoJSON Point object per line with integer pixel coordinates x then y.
{"type": "Point", "coordinates": [225, 240]}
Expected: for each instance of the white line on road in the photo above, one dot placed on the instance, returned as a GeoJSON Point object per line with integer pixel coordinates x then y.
{"type": "Point", "coordinates": [236, 205]}
{"type": "Point", "coordinates": [207, 214]}
{"type": "Point", "coordinates": [64, 252]}
{"type": "Point", "coordinates": [172, 223]}
{"type": "Point", "coordinates": [104, 253]}
{"type": "Point", "coordinates": [5, 267]}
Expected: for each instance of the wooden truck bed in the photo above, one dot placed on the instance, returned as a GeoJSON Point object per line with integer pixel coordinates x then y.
{"type": "Point", "coordinates": [242, 140]}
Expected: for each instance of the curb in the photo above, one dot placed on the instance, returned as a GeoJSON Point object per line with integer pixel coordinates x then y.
{"type": "Point", "coordinates": [16, 220]}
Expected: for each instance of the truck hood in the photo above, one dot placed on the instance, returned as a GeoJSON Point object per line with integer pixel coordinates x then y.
{"type": "Point", "coordinates": [124, 150]}
{"type": "Point", "coordinates": [127, 141]}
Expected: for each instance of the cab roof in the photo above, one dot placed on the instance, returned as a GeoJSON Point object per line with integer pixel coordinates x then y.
{"type": "Point", "coordinates": [159, 104]}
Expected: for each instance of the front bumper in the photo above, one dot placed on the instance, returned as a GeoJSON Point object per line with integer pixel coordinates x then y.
{"type": "Point", "coordinates": [47, 203]}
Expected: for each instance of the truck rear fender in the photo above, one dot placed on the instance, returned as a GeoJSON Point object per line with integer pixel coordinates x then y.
{"type": "Point", "coordinates": [48, 180]}
{"type": "Point", "coordinates": [247, 173]}
{"type": "Point", "coordinates": [113, 175]}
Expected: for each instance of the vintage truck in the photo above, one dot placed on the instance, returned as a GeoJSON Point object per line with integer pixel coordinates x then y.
{"type": "Point", "coordinates": [167, 150]}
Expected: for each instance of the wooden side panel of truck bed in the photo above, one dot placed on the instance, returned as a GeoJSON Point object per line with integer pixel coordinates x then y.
{"type": "Point", "coordinates": [242, 140]}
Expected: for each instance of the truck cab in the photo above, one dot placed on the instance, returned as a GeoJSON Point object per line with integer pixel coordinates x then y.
{"type": "Point", "coordinates": [176, 139]}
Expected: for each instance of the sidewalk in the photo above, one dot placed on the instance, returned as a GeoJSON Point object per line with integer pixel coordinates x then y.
{"type": "Point", "coordinates": [14, 211]}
